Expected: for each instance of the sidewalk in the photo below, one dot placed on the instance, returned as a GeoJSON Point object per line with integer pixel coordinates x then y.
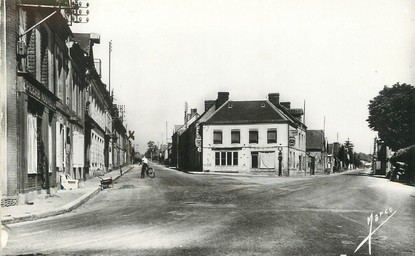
{"type": "Point", "coordinates": [63, 201]}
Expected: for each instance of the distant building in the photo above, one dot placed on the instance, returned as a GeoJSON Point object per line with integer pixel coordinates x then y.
{"type": "Point", "coordinates": [316, 151]}
{"type": "Point", "coordinates": [182, 148]}
{"type": "Point", "coordinates": [382, 157]}
{"type": "Point", "coordinates": [333, 160]}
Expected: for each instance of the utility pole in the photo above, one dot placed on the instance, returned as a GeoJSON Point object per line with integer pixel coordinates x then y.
{"type": "Point", "coordinates": [324, 141]}
{"type": "Point", "coordinates": [109, 64]}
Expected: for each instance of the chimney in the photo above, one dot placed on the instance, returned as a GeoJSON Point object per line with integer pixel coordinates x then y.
{"type": "Point", "coordinates": [274, 98]}
{"type": "Point", "coordinates": [209, 104]}
{"type": "Point", "coordinates": [287, 105]}
{"type": "Point", "coordinates": [222, 98]}
{"type": "Point", "coordinates": [193, 111]}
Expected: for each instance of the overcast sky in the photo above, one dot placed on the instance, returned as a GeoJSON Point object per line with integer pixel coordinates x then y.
{"type": "Point", "coordinates": [333, 55]}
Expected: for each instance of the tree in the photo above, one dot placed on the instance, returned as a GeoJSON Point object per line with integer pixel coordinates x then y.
{"type": "Point", "coordinates": [152, 150]}
{"type": "Point", "coordinates": [392, 115]}
{"type": "Point", "coordinates": [348, 145]}
{"type": "Point", "coordinates": [342, 156]}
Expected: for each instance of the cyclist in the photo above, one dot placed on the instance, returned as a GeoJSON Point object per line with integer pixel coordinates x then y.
{"type": "Point", "coordinates": [144, 162]}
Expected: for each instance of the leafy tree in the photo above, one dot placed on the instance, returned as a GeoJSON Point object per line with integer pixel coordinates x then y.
{"type": "Point", "coordinates": [342, 156]}
{"type": "Point", "coordinates": [392, 115]}
{"type": "Point", "coordinates": [151, 150]}
{"type": "Point", "coordinates": [364, 157]}
{"type": "Point", "coordinates": [348, 145]}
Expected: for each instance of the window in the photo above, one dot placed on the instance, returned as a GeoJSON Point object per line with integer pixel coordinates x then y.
{"type": "Point", "coordinates": [272, 136]}
{"type": "Point", "coordinates": [253, 136]}
{"type": "Point", "coordinates": [229, 158]}
{"type": "Point", "coordinates": [226, 158]}
{"type": "Point", "coordinates": [223, 158]}
{"type": "Point", "coordinates": [235, 136]}
{"type": "Point", "coordinates": [217, 137]}
{"type": "Point", "coordinates": [217, 158]}
{"type": "Point", "coordinates": [235, 158]}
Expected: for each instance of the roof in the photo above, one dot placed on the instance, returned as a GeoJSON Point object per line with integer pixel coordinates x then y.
{"type": "Point", "coordinates": [243, 112]}
{"type": "Point", "coordinates": [315, 140]}
{"type": "Point", "coordinates": [83, 39]}
{"type": "Point", "coordinates": [296, 111]}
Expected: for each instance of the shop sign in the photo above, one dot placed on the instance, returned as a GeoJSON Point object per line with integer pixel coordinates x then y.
{"type": "Point", "coordinates": [291, 141]}
{"type": "Point", "coordinates": [198, 141]}
{"type": "Point", "coordinates": [37, 94]}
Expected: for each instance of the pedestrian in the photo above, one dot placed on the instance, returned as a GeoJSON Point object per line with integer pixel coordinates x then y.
{"type": "Point", "coordinates": [144, 167]}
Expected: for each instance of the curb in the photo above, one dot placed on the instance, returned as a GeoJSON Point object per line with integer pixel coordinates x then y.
{"type": "Point", "coordinates": [58, 211]}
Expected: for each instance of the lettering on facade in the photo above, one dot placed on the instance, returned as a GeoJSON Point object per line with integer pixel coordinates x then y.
{"type": "Point", "coordinates": [37, 94]}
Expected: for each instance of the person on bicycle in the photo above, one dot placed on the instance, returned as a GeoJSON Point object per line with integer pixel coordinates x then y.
{"type": "Point", "coordinates": [144, 167]}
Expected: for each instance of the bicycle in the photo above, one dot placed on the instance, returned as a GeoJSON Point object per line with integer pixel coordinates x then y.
{"type": "Point", "coordinates": [150, 172]}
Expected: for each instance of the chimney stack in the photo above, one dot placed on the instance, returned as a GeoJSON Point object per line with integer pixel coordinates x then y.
{"type": "Point", "coordinates": [287, 105]}
{"type": "Point", "coordinates": [193, 111]}
{"type": "Point", "coordinates": [274, 98]}
{"type": "Point", "coordinates": [209, 104]}
{"type": "Point", "coordinates": [222, 98]}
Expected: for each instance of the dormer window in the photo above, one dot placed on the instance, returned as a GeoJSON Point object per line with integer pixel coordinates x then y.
{"type": "Point", "coordinates": [263, 105]}
{"type": "Point", "coordinates": [230, 106]}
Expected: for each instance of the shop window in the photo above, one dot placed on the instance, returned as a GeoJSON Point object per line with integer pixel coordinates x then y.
{"type": "Point", "coordinates": [226, 158]}
{"type": "Point", "coordinates": [235, 158]}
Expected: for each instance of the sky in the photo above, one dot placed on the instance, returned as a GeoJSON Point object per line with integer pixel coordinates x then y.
{"type": "Point", "coordinates": [331, 56]}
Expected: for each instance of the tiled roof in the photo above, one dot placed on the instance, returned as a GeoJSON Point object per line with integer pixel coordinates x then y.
{"type": "Point", "coordinates": [296, 111]}
{"type": "Point", "coordinates": [241, 112]}
{"type": "Point", "coordinates": [315, 140]}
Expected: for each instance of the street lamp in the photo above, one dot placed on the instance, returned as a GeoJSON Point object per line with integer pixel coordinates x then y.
{"type": "Point", "coordinates": [279, 160]}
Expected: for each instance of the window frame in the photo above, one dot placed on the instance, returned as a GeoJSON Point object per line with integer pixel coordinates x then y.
{"type": "Point", "coordinates": [270, 132]}
{"type": "Point", "coordinates": [226, 158]}
{"type": "Point", "coordinates": [238, 133]}
{"type": "Point", "coordinates": [217, 132]}
{"type": "Point", "coordinates": [252, 132]}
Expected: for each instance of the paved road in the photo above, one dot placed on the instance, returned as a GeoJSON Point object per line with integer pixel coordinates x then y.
{"type": "Point", "coordinates": [184, 214]}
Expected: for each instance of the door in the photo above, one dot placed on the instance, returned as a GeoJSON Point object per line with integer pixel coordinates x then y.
{"type": "Point", "coordinates": [312, 165]}
{"type": "Point", "coordinates": [254, 156]}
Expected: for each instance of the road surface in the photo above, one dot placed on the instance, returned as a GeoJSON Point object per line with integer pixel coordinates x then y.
{"type": "Point", "coordinates": [188, 214]}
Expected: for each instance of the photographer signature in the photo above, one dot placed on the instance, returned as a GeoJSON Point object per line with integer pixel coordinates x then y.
{"type": "Point", "coordinates": [376, 218]}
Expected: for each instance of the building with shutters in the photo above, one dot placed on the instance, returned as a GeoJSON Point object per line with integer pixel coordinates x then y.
{"type": "Point", "coordinates": [246, 136]}
{"type": "Point", "coordinates": [43, 81]}
{"type": "Point", "coordinates": [98, 108]}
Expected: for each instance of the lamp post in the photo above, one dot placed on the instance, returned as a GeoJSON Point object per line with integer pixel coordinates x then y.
{"type": "Point", "coordinates": [279, 161]}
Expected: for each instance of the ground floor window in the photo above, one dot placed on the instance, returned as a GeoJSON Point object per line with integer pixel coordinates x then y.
{"type": "Point", "coordinates": [224, 158]}
{"type": "Point", "coordinates": [32, 144]}
{"type": "Point", "coordinates": [264, 160]}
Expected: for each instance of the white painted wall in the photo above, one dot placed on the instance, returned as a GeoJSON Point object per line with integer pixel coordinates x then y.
{"type": "Point", "coordinates": [244, 148]}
